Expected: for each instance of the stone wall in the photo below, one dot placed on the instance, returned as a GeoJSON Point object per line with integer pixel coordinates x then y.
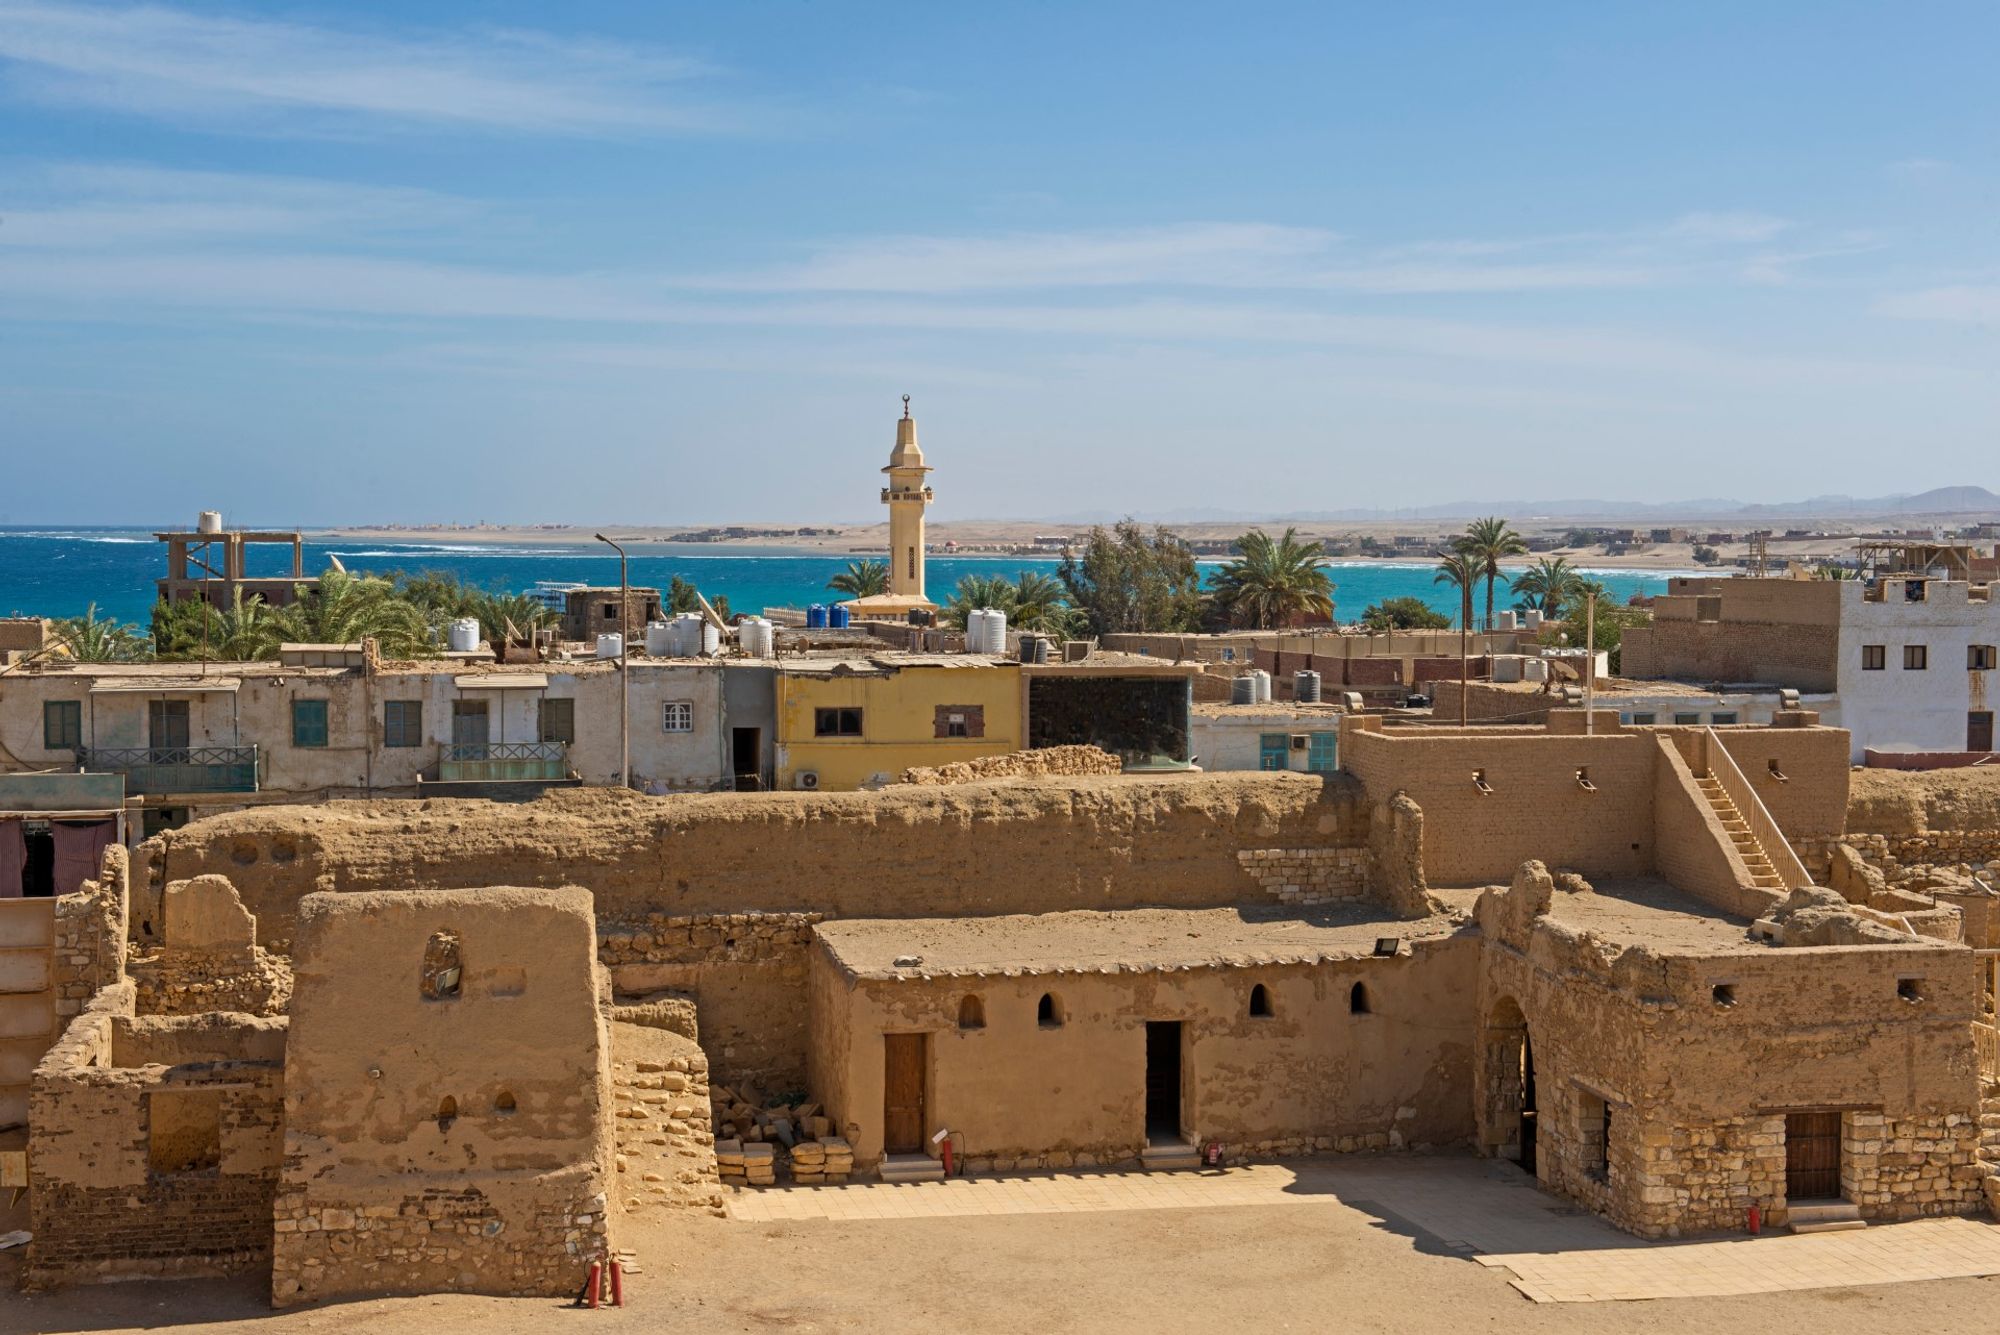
{"type": "Point", "coordinates": [664, 1138]}
{"type": "Point", "coordinates": [745, 973]}
{"type": "Point", "coordinates": [1019, 764]}
{"type": "Point", "coordinates": [1306, 876]}
{"type": "Point", "coordinates": [111, 1195]}
{"type": "Point", "coordinates": [90, 932]}
{"type": "Point", "coordinates": [171, 982]}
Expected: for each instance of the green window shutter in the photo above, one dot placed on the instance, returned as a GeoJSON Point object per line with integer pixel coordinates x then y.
{"type": "Point", "coordinates": [62, 725]}
{"type": "Point", "coordinates": [402, 723]}
{"type": "Point", "coordinates": [1323, 752]}
{"type": "Point", "coordinates": [1273, 748]}
{"type": "Point", "coordinates": [308, 723]}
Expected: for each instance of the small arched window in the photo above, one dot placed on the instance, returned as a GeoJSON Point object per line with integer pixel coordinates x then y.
{"type": "Point", "coordinates": [1260, 1002]}
{"type": "Point", "coordinates": [443, 972]}
{"type": "Point", "coordinates": [1048, 1014]}
{"type": "Point", "coordinates": [1357, 999]}
{"type": "Point", "coordinates": [447, 1112]}
{"type": "Point", "coordinates": [503, 1102]}
{"type": "Point", "coordinates": [971, 1012]}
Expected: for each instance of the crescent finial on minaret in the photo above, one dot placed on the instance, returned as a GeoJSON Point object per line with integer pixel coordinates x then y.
{"type": "Point", "coordinates": [906, 405]}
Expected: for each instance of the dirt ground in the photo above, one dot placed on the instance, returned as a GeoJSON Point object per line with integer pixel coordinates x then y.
{"type": "Point", "coordinates": [1249, 1268]}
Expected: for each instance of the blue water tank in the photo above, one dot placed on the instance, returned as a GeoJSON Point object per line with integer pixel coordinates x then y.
{"type": "Point", "coordinates": [837, 616]}
{"type": "Point", "coordinates": [816, 616]}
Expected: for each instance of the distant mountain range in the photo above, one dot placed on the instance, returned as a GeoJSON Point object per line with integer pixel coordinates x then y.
{"type": "Point", "coordinates": [1939, 501]}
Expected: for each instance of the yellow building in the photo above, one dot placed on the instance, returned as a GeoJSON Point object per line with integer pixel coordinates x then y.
{"type": "Point", "coordinates": [907, 497]}
{"type": "Point", "coordinates": [850, 723]}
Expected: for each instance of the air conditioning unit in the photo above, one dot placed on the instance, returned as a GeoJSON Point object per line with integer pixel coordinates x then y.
{"type": "Point", "coordinates": [1301, 741]}
{"type": "Point", "coordinates": [806, 779]}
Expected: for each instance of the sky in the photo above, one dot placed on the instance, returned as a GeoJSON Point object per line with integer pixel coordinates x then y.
{"type": "Point", "coordinates": [674, 263]}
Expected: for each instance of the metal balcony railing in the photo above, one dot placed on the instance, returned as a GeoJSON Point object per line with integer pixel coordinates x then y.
{"type": "Point", "coordinates": [503, 762]}
{"type": "Point", "coordinates": [177, 769]}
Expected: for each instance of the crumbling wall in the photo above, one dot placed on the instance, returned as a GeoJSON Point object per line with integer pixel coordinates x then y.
{"type": "Point", "coordinates": [90, 932]}
{"type": "Point", "coordinates": [1026, 846]}
{"type": "Point", "coordinates": [154, 1145]}
{"type": "Point", "coordinates": [1019, 765]}
{"type": "Point", "coordinates": [210, 960]}
{"type": "Point", "coordinates": [456, 1138]}
{"type": "Point", "coordinates": [664, 1141]}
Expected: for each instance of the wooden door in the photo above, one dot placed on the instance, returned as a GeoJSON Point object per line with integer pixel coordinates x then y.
{"type": "Point", "coordinates": [1812, 1156]}
{"type": "Point", "coordinates": [1979, 730]}
{"type": "Point", "coordinates": [903, 1081]}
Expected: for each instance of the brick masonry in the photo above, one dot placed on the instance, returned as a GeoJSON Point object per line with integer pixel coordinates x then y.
{"type": "Point", "coordinates": [1308, 875]}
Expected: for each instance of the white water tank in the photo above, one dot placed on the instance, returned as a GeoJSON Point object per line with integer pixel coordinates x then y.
{"type": "Point", "coordinates": [1509, 620]}
{"type": "Point", "coordinates": [1263, 680]}
{"type": "Point", "coordinates": [462, 636]}
{"type": "Point", "coordinates": [209, 521]}
{"type": "Point", "coordinates": [611, 645]}
{"type": "Point", "coordinates": [986, 632]}
{"type": "Point", "coordinates": [757, 636]}
{"type": "Point", "coordinates": [659, 639]}
{"type": "Point", "coordinates": [691, 636]}
{"type": "Point", "coordinates": [1532, 618]}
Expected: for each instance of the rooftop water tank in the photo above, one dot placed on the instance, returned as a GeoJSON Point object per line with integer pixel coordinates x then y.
{"type": "Point", "coordinates": [659, 639]}
{"type": "Point", "coordinates": [816, 616]}
{"type": "Point", "coordinates": [757, 636]}
{"type": "Point", "coordinates": [1243, 690]}
{"type": "Point", "coordinates": [837, 616]}
{"type": "Point", "coordinates": [1533, 618]}
{"type": "Point", "coordinates": [611, 645]}
{"type": "Point", "coordinates": [209, 521]}
{"type": "Point", "coordinates": [462, 635]}
{"type": "Point", "coordinates": [1509, 620]}
{"type": "Point", "coordinates": [1305, 687]}
{"type": "Point", "coordinates": [1263, 680]}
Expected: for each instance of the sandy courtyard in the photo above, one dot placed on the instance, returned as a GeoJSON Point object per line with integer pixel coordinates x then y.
{"type": "Point", "coordinates": [1317, 1255]}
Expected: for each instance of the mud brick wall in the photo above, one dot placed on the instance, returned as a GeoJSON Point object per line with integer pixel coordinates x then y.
{"type": "Point", "coordinates": [90, 936]}
{"type": "Point", "coordinates": [746, 973]}
{"type": "Point", "coordinates": [100, 1210]}
{"type": "Point", "coordinates": [172, 982]}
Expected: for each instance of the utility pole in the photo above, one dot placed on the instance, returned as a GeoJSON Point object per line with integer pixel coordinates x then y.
{"type": "Point", "coordinates": [624, 665]}
{"type": "Point", "coordinates": [1590, 664]}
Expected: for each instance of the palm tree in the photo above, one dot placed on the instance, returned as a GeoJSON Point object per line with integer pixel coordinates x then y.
{"type": "Point", "coordinates": [1546, 584]}
{"type": "Point", "coordinates": [977, 591]}
{"type": "Point", "coordinates": [862, 579]}
{"type": "Point", "coordinates": [94, 639]}
{"type": "Point", "coordinates": [1267, 584]}
{"type": "Point", "coordinates": [1041, 603]}
{"type": "Point", "coordinates": [1461, 567]}
{"type": "Point", "coordinates": [1490, 541]}
{"type": "Point", "coordinates": [510, 618]}
{"type": "Point", "coordinates": [343, 608]}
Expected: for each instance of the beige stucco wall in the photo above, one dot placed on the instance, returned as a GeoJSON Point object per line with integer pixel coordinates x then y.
{"type": "Point", "coordinates": [506, 1196]}
{"type": "Point", "coordinates": [1020, 1094]}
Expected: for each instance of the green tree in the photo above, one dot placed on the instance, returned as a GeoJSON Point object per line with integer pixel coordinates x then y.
{"type": "Point", "coordinates": [343, 608]}
{"type": "Point", "coordinates": [1545, 584]}
{"type": "Point", "coordinates": [1461, 568]}
{"type": "Point", "coordinates": [1041, 604]}
{"type": "Point", "coordinates": [509, 618]}
{"type": "Point", "coordinates": [1130, 579]}
{"type": "Point", "coordinates": [1491, 541]}
{"type": "Point", "coordinates": [1611, 620]}
{"type": "Point", "coordinates": [1269, 584]}
{"type": "Point", "coordinates": [994, 592]}
{"type": "Point", "coordinates": [682, 597]}
{"type": "Point", "coordinates": [1828, 570]}
{"type": "Point", "coordinates": [1405, 613]}
{"type": "Point", "coordinates": [243, 632]}
{"type": "Point", "coordinates": [1706, 555]}
{"type": "Point", "coordinates": [862, 579]}
{"type": "Point", "coordinates": [94, 639]}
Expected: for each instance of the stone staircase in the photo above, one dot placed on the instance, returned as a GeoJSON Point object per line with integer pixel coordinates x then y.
{"type": "Point", "coordinates": [1762, 874]}
{"type": "Point", "coordinates": [1824, 1217]}
{"type": "Point", "coordinates": [1989, 1142]}
{"type": "Point", "coordinates": [910, 1168]}
{"type": "Point", "coordinates": [1166, 1156]}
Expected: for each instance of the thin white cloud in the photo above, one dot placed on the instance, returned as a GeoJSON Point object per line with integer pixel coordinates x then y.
{"type": "Point", "coordinates": [70, 206]}
{"type": "Point", "coordinates": [269, 75]}
{"type": "Point", "coordinates": [1964, 304]}
{"type": "Point", "coordinates": [1728, 227]}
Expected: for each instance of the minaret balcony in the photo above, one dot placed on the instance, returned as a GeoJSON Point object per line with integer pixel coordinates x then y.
{"type": "Point", "coordinates": [923, 494]}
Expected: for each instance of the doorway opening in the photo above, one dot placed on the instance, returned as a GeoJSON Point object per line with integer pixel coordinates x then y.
{"type": "Point", "coordinates": [906, 1064]}
{"type": "Point", "coordinates": [746, 757]}
{"type": "Point", "coordinates": [1979, 730]}
{"type": "Point", "coordinates": [1812, 1156]}
{"type": "Point", "coordinates": [1509, 1081]}
{"type": "Point", "coordinates": [1163, 1081]}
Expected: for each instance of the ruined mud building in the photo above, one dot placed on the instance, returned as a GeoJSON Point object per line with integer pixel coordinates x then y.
{"type": "Point", "coordinates": [1654, 966]}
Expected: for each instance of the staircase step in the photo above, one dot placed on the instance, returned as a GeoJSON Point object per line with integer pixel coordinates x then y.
{"type": "Point", "coordinates": [1825, 1217]}
{"type": "Point", "coordinates": [1836, 1226]}
{"type": "Point", "coordinates": [1170, 1156]}
{"type": "Point", "coordinates": [910, 1168]}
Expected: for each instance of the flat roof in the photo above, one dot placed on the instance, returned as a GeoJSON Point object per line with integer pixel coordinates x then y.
{"type": "Point", "coordinates": [1125, 940]}
{"type": "Point", "coordinates": [167, 685]}
{"type": "Point", "coordinates": [501, 681]}
{"type": "Point", "coordinates": [1648, 911]}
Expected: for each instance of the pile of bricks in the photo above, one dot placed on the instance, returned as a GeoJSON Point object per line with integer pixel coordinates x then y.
{"type": "Point", "coordinates": [752, 1165]}
{"type": "Point", "coordinates": [828, 1160]}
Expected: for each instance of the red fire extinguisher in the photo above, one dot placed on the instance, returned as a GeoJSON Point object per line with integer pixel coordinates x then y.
{"type": "Point", "coordinates": [1756, 1218]}
{"type": "Point", "coordinates": [1211, 1154]}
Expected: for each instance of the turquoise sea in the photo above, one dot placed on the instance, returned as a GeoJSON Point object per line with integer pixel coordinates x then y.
{"type": "Point", "coordinates": [59, 572]}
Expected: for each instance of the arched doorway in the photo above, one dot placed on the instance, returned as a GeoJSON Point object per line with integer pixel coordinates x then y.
{"type": "Point", "coordinates": [1509, 1084]}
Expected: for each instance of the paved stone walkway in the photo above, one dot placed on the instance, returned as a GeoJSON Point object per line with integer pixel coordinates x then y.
{"type": "Point", "coordinates": [1487, 1212]}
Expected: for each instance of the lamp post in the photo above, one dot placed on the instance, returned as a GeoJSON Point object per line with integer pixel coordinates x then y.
{"type": "Point", "coordinates": [624, 666]}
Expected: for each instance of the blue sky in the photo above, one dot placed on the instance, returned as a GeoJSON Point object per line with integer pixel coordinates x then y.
{"type": "Point", "coordinates": [639, 262]}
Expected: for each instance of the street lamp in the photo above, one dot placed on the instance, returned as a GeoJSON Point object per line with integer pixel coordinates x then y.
{"type": "Point", "coordinates": [624, 666]}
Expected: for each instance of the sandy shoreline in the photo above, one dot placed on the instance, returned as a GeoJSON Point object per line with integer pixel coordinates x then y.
{"type": "Point", "coordinates": [1007, 539]}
